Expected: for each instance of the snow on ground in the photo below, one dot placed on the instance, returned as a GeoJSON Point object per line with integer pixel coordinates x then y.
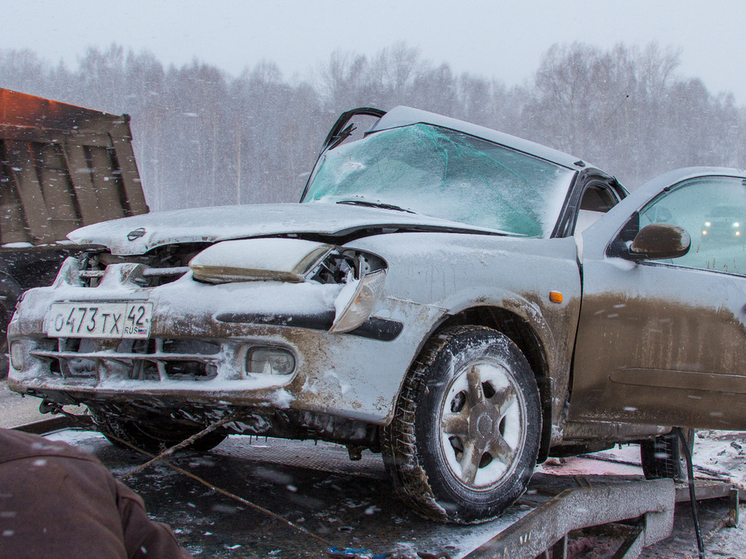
{"type": "Point", "coordinates": [717, 455]}
{"type": "Point", "coordinates": [721, 454]}
{"type": "Point", "coordinates": [15, 410]}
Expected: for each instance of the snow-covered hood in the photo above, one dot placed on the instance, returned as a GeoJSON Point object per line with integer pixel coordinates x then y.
{"type": "Point", "coordinates": [139, 234]}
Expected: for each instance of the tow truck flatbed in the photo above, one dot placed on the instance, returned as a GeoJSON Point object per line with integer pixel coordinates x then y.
{"type": "Point", "coordinates": [350, 507]}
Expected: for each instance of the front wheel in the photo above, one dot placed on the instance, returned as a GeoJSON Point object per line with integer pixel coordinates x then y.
{"type": "Point", "coordinates": [467, 427]}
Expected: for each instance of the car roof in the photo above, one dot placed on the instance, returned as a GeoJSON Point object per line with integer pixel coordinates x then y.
{"type": "Point", "coordinates": [678, 175]}
{"type": "Point", "coordinates": [405, 116]}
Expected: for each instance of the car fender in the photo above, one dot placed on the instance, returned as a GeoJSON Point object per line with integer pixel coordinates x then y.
{"type": "Point", "coordinates": [460, 272]}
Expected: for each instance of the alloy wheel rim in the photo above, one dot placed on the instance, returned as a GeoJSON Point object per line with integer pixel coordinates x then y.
{"type": "Point", "coordinates": [482, 425]}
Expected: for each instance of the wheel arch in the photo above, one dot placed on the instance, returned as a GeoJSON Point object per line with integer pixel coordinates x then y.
{"type": "Point", "coordinates": [521, 332]}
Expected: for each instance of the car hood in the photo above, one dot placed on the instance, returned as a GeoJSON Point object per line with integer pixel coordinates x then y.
{"type": "Point", "coordinates": [139, 234]}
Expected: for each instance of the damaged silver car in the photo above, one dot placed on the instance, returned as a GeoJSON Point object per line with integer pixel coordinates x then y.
{"type": "Point", "coordinates": [465, 302]}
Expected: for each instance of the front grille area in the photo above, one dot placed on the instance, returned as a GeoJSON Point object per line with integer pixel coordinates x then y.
{"type": "Point", "coordinates": [159, 266]}
{"type": "Point", "coordinates": [153, 359]}
{"type": "Point", "coordinates": [145, 276]}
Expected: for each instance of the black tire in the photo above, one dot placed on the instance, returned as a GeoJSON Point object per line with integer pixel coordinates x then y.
{"type": "Point", "coordinates": [5, 316]}
{"type": "Point", "coordinates": [663, 457]}
{"type": "Point", "coordinates": [151, 439]}
{"type": "Point", "coordinates": [9, 293]}
{"type": "Point", "coordinates": [470, 393]}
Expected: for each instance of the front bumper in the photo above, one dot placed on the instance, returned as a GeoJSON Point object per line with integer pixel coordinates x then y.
{"type": "Point", "coordinates": [200, 337]}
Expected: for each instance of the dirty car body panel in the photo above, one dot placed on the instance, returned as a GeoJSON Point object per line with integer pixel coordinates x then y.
{"type": "Point", "coordinates": [665, 340]}
{"type": "Point", "coordinates": [440, 294]}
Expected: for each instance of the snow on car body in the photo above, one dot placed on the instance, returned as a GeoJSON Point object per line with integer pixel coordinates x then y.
{"type": "Point", "coordinates": [422, 300]}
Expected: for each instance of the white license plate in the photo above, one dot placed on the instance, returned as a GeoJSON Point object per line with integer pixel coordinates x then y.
{"type": "Point", "coordinates": [99, 320]}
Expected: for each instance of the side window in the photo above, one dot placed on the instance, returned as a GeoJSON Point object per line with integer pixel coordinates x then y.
{"type": "Point", "coordinates": [713, 211]}
{"type": "Point", "coordinates": [596, 201]}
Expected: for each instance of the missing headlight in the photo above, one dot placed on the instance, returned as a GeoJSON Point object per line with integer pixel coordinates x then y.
{"type": "Point", "coordinates": [339, 265]}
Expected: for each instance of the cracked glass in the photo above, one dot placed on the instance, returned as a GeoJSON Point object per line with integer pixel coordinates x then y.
{"type": "Point", "coordinates": [446, 174]}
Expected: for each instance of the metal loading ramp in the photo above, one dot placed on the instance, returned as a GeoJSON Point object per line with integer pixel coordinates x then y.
{"type": "Point", "coordinates": [646, 506]}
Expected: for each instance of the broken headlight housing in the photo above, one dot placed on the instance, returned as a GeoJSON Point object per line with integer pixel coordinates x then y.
{"type": "Point", "coordinates": [288, 260]}
{"type": "Point", "coordinates": [361, 273]}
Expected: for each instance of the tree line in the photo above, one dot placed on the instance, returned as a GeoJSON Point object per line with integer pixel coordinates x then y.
{"type": "Point", "coordinates": [203, 137]}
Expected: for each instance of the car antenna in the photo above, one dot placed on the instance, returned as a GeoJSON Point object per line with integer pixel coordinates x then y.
{"type": "Point", "coordinates": [617, 108]}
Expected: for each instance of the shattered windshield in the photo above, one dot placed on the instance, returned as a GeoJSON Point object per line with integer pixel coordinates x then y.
{"type": "Point", "coordinates": [446, 174]}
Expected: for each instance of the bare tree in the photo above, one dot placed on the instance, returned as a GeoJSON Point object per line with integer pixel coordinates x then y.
{"type": "Point", "coordinates": [203, 137]}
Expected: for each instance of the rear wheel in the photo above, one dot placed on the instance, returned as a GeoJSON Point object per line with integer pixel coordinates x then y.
{"type": "Point", "coordinates": [466, 432]}
{"type": "Point", "coordinates": [153, 439]}
{"type": "Point", "coordinates": [664, 457]}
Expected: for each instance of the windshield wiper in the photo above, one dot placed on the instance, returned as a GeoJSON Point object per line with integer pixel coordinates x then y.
{"type": "Point", "coordinates": [375, 205]}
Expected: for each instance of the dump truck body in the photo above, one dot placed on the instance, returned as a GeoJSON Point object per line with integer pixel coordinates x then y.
{"type": "Point", "coordinates": [61, 167]}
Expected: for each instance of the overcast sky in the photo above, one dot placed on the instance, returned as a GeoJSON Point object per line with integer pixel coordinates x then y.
{"type": "Point", "coordinates": [493, 38]}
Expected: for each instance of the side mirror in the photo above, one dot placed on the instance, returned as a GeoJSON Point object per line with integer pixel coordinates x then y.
{"type": "Point", "coordinates": [659, 241]}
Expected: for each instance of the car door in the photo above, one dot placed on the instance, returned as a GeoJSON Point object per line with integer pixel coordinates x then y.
{"type": "Point", "coordinates": [663, 342]}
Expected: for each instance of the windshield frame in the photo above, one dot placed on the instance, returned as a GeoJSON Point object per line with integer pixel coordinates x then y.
{"type": "Point", "coordinates": [547, 213]}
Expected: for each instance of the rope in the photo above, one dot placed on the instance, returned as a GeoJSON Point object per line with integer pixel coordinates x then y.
{"type": "Point", "coordinates": [183, 444]}
{"type": "Point", "coordinates": [86, 424]}
{"type": "Point", "coordinates": [215, 488]}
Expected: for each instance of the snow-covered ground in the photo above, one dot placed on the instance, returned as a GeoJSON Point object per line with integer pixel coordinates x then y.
{"type": "Point", "coordinates": [719, 455]}
{"type": "Point", "coordinates": [722, 454]}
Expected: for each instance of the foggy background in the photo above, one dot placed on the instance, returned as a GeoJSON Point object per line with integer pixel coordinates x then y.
{"type": "Point", "coordinates": [204, 137]}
